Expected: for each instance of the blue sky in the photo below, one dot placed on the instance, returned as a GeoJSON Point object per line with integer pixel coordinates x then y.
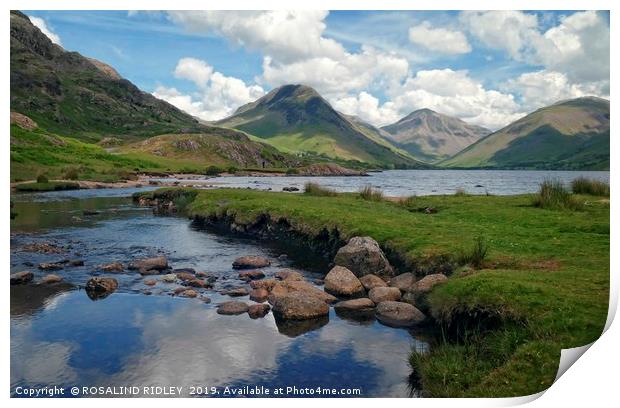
{"type": "Point", "coordinates": [487, 68]}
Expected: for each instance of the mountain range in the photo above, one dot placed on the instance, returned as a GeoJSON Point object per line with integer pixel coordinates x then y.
{"type": "Point", "coordinates": [85, 114]}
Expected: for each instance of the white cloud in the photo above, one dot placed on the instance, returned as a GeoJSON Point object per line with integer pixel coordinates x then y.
{"type": "Point", "coordinates": [42, 25]}
{"type": "Point", "coordinates": [441, 40]}
{"type": "Point", "coordinates": [287, 35]}
{"type": "Point", "coordinates": [217, 95]}
{"type": "Point", "coordinates": [366, 107]}
{"type": "Point", "coordinates": [541, 88]}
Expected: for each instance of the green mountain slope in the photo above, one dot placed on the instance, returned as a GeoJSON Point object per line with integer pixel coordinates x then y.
{"type": "Point", "coordinates": [571, 134]}
{"type": "Point", "coordinates": [431, 136]}
{"type": "Point", "coordinates": [78, 96]}
{"type": "Point", "coordinates": [296, 119]}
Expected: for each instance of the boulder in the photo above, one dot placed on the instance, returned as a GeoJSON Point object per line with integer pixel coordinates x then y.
{"type": "Point", "coordinates": [232, 308]}
{"type": "Point", "coordinates": [198, 283]}
{"type": "Point", "coordinates": [158, 263]}
{"type": "Point", "coordinates": [235, 292]}
{"type": "Point", "coordinates": [185, 276]}
{"type": "Point", "coordinates": [363, 256]}
{"type": "Point", "coordinates": [205, 299]}
{"type": "Point", "coordinates": [251, 275]}
{"type": "Point", "coordinates": [287, 287]}
{"type": "Point", "coordinates": [51, 278]}
{"type": "Point", "coordinates": [258, 310]}
{"type": "Point", "coordinates": [403, 281]}
{"type": "Point", "coordinates": [169, 278]}
{"type": "Point", "coordinates": [191, 271]}
{"type": "Point", "coordinates": [382, 294]}
{"type": "Point", "coordinates": [299, 306]}
{"type": "Point", "coordinates": [51, 266]}
{"type": "Point", "coordinates": [189, 293]}
{"type": "Point", "coordinates": [99, 287]}
{"type": "Point", "coordinates": [264, 284]}
{"type": "Point", "coordinates": [289, 274]}
{"type": "Point", "coordinates": [398, 314]}
{"type": "Point", "coordinates": [427, 283]}
{"type": "Point", "coordinates": [112, 267]}
{"type": "Point", "coordinates": [259, 295]}
{"type": "Point", "coordinates": [20, 278]}
{"type": "Point", "coordinates": [251, 262]}
{"type": "Point", "coordinates": [342, 282]}
{"type": "Point", "coordinates": [360, 304]}
{"type": "Point", "coordinates": [371, 281]}
{"type": "Point", "coordinates": [150, 282]}
{"type": "Point", "coordinates": [76, 262]}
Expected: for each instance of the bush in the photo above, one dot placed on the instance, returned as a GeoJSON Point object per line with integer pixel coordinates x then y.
{"type": "Point", "coordinates": [232, 170]}
{"type": "Point", "coordinates": [316, 190]}
{"type": "Point", "coordinates": [71, 174]}
{"type": "Point", "coordinates": [475, 255]}
{"type": "Point", "coordinates": [291, 171]}
{"type": "Point", "coordinates": [553, 195]}
{"type": "Point", "coordinates": [213, 171]}
{"type": "Point", "coordinates": [582, 185]}
{"type": "Point", "coordinates": [42, 178]}
{"type": "Point", "coordinates": [371, 194]}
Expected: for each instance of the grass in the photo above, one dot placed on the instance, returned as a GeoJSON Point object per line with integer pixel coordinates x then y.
{"type": "Point", "coordinates": [476, 254]}
{"type": "Point", "coordinates": [47, 186]}
{"type": "Point", "coordinates": [371, 194]}
{"type": "Point", "coordinates": [315, 189]}
{"type": "Point", "coordinates": [543, 287]}
{"type": "Point", "coordinates": [583, 185]}
{"type": "Point", "coordinates": [553, 195]}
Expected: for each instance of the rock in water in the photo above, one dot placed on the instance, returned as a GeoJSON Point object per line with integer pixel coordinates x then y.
{"type": "Point", "coordinates": [299, 306]}
{"type": "Point", "coordinates": [258, 310]}
{"type": "Point", "coordinates": [169, 278]}
{"type": "Point", "coordinates": [264, 284]}
{"type": "Point", "coordinates": [51, 278]}
{"type": "Point", "coordinates": [382, 294]}
{"type": "Point", "coordinates": [51, 266]}
{"type": "Point", "coordinates": [287, 287]}
{"type": "Point", "coordinates": [289, 275]}
{"type": "Point", "coordinates": [342, 282]}
{"type": "Point", "coordinates": [232, 308]}
{"type": "Point", "coordinates": [259, 295]}
{"type": "Point", "coordinates": [158, 263]}
{"type": "Point", "coordinates": [360, 304]}
{"type": "Point", "coordinates": [372, 281]}
{"type": "Point", "coordinates": [19, 278]}
{"type": "Point", "coordinates": [399, 314]}
{"type": "Point", "coordinates": [403, 281]}
{"type": "Point", "coordinates": [235, 292]}
{"type": "Point", "coordinates": [251, 275]}
{"type": "Point", "coordinates": [251, 262]}
{"type": "Point", "coordinates": [112, 267]}
{"type": "Point", "coordinates": [363, 256]}
{"type": "Point", "coordinates": [100, 287]}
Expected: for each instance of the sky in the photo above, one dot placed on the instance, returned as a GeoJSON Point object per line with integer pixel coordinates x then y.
{"type": "Point", "coordinates": [487, 68]}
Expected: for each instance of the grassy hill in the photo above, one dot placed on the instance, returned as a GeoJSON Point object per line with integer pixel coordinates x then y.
{"type": "Point", "coordinates": [571, 134]}
{"type": "Point", "coordinates": [296, 119]}
{"type": "Point", "coordinates": [431, 136]}
{"type": "Point", "coordinates": [70, 94]}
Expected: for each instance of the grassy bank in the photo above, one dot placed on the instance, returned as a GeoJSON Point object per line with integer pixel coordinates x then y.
{"type": "Point", "coordinates": [542, 286]}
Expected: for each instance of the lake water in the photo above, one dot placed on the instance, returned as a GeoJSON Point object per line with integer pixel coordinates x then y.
{"type": "Point", "coordinates": [59, 336]}
{"type": "Point", "coordinates": [402, 183]}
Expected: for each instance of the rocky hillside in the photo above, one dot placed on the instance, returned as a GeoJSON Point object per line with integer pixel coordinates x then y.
{"type": "Point", "coordinates": [220, 147]}
{"type": "Point", "coordinates": [296, 119]}
{"type": "Point", "coordinates": [572, 134]}
{"type": "Point", "coordinates": [68, 93]}
{"type": "Point", "coordinates": [431, 136]}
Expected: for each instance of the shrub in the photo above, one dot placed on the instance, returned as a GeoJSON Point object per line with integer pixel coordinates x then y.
{"type": "Point", "coordinates": [232, 170]}
{"type": "Point", "coordinates": [316, 190]}
{"type": "Point", "coordinates": [553, 195]}
{"type": "Point", "coordinates": [582, 185]}
{"type": "Point", "coordinates": [71, 174]}
{"type": "Point", "coordinates": [291, 171]}
{"type": "Point", "coordinates": [213, 171]}
{"type": "Point", "coordinates": [475, 255]}
{"type": "Point", "coordinates": [371, 194]}
{"type": "Point", "coordinates": [42, 178]}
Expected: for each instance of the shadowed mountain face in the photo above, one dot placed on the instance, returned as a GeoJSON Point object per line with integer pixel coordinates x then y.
{"type": "Point", "coordinates": [71, 94]}
{"type": "Point", "coordinates": [431, 136]}
{"type": "Point", "coordinates": [571, 134]}
{"type": "Point", "coordinates": [296, 119]}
